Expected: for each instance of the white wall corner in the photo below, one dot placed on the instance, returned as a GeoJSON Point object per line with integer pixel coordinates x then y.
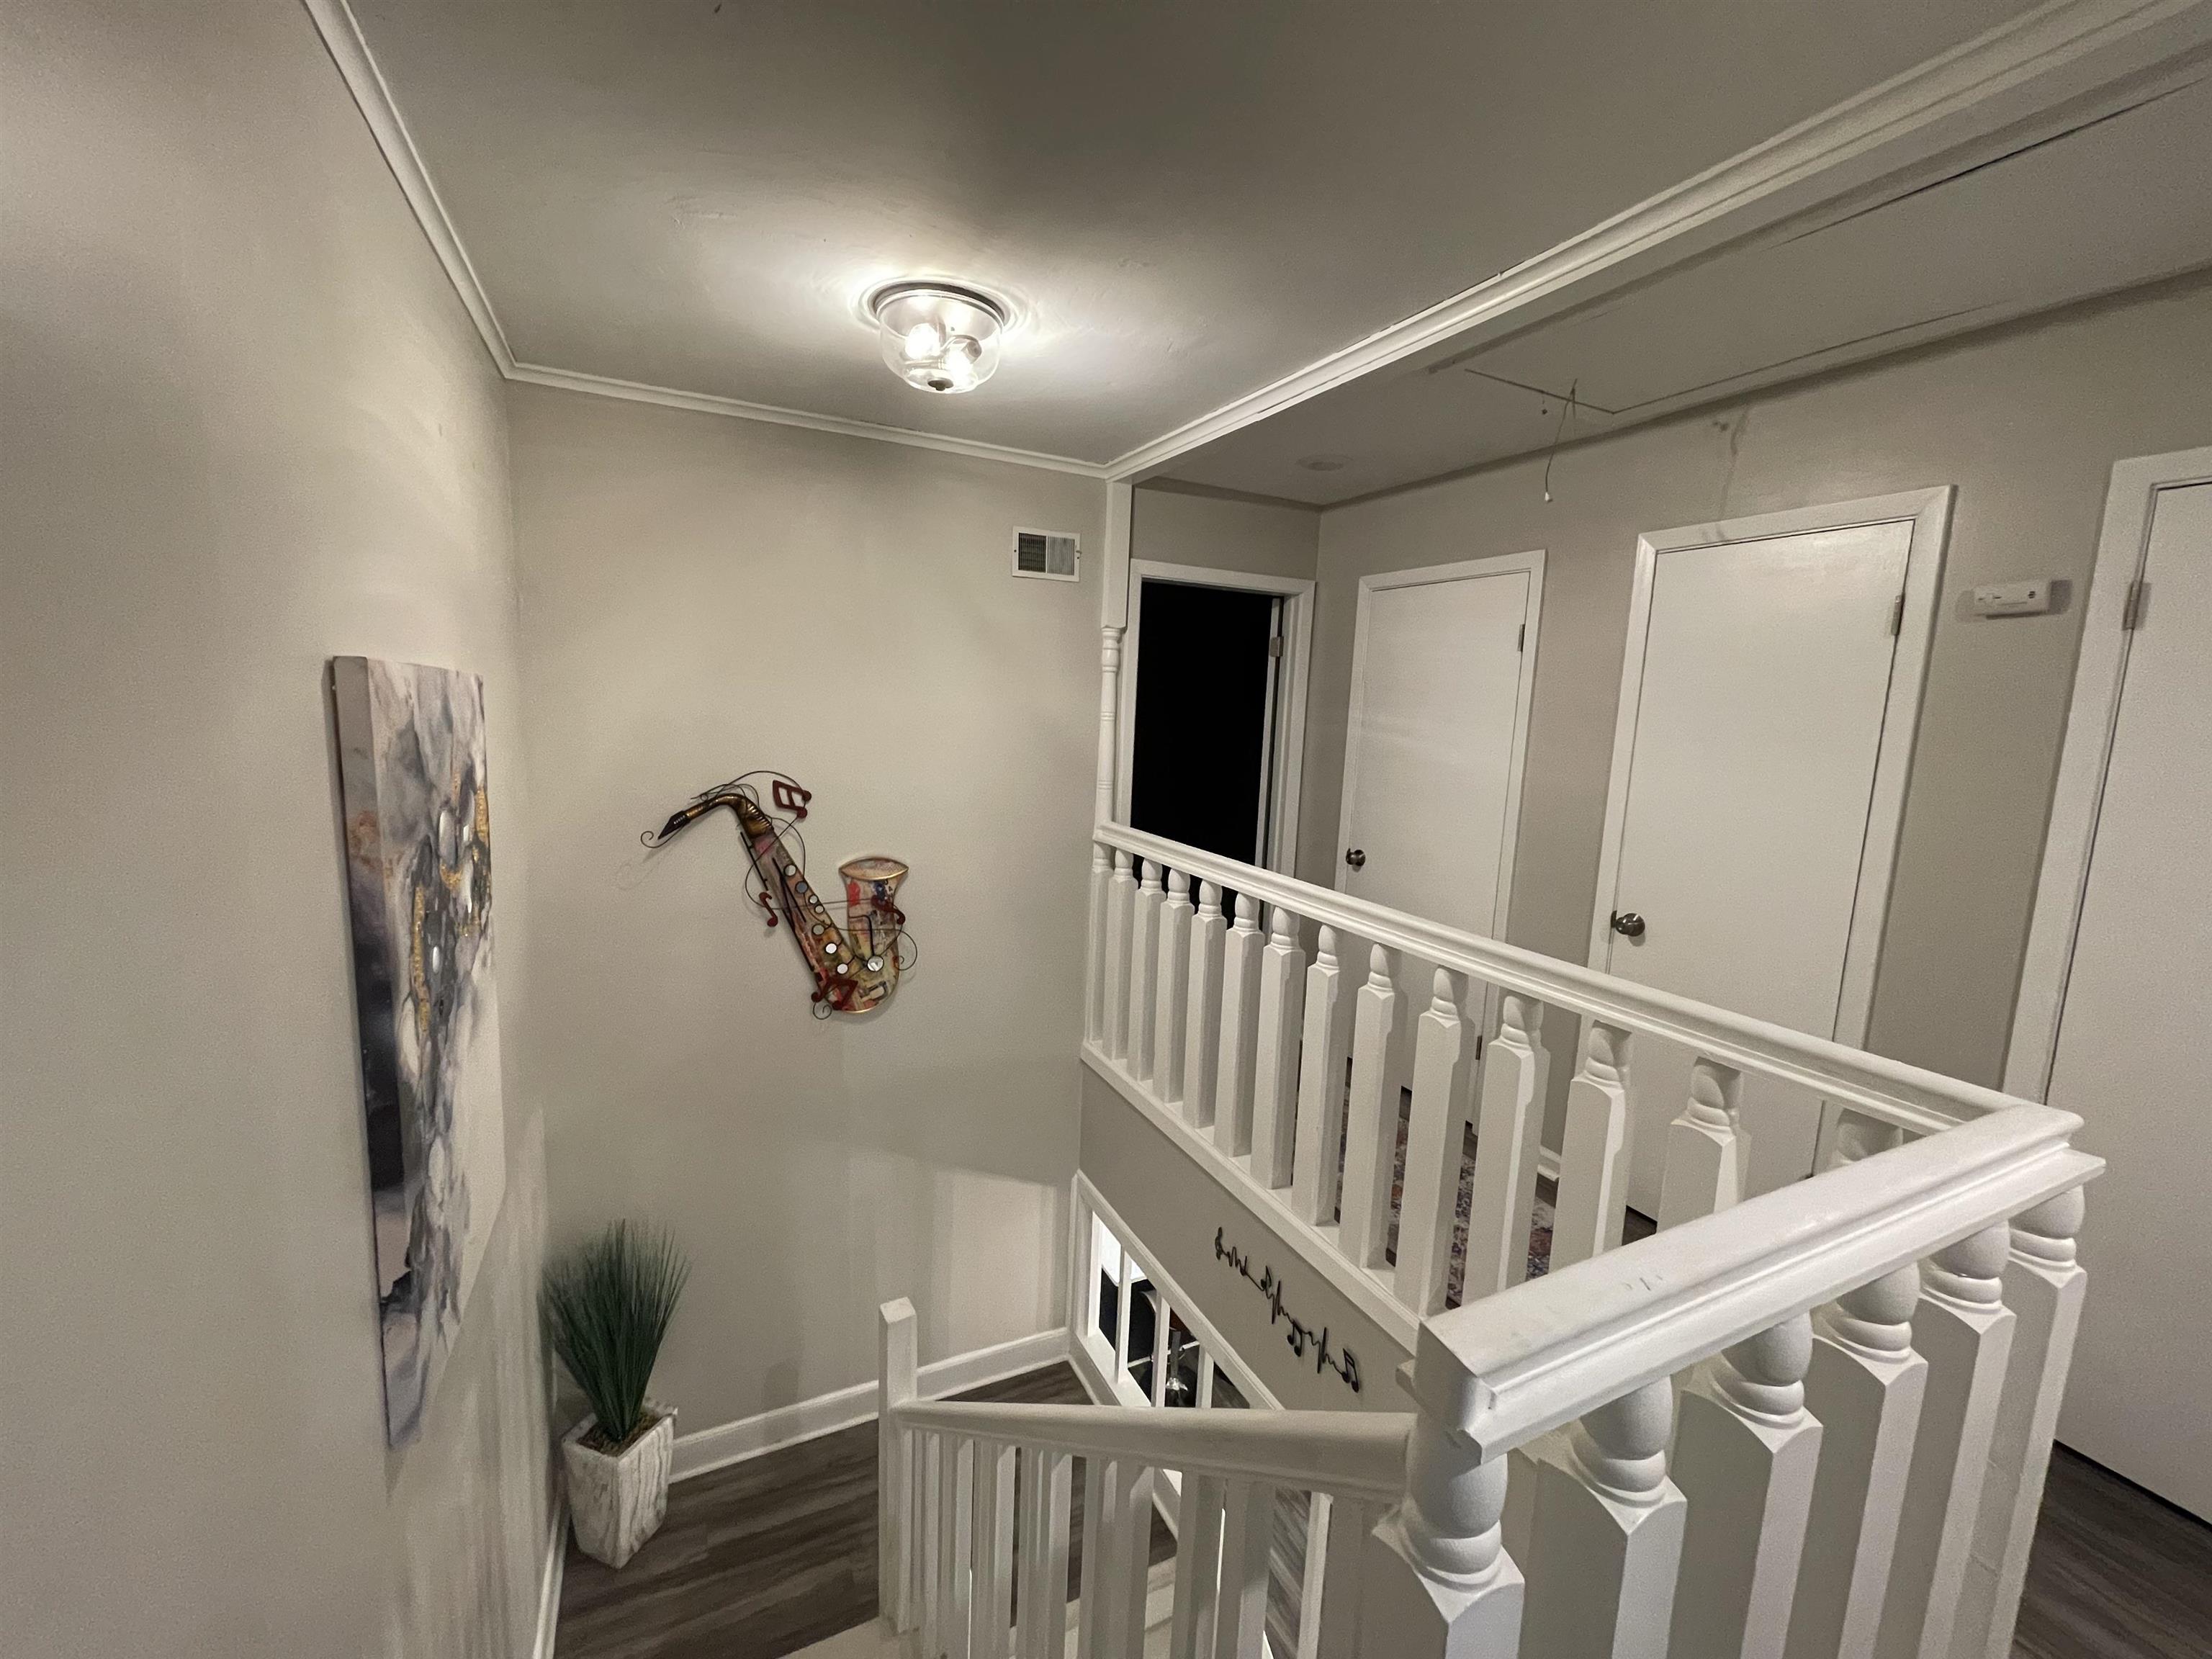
{"type": "Point", "coordinates": [726, 1444]}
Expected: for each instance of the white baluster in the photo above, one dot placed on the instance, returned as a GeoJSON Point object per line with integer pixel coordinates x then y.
{"type": "Point", "coordinates": [1964, 1331]}
{"type": "Point", "coordinates": [1247, 1527]}
{"type": "Point", "coordinates": [2044, 1287]}
{"type": "Point", "coordinates": [895, 1543]}
{"type": "Point", "coordinates": [1040, 1627]}
{"type": "Point", "coordinates": [1198, 1567]}
{"type": "Point", "coordinates": [1745, 1453]}
{"type": "Point", "coordinates": [1336, 1625]}
{"type": "Point", "coordinates": [1275, 1051]}
{"type": "Point", "coordinates": [1605, 1536]}
{"type": "Point", "coordinates": [1313, 1576]}
{"type": "Point", "coordinates": [1859, 1136]}
{"type": "Point", "coordinates": [1143, 963]}
{"type": "Point", "coordinates": [992, 1596]}
{"type": "Point", "coordinates": [1508, 1137]}
{"type": "Point", "coordinates": [1594, 1149]}
{"type": "Point", "coordinates": [1371, 1135]}
{"type": "Point", "coordinates": [929, 1511]}
{"type": "Point", "coordinates": [1323, 1055]}
{"type": "Point", "coordinates": [1121, 910]}
{"type": "Point", "coordinates": [1239, 1019]}
{"type": "Point", "coordinates": [1201, 1053]}
{"type": "Point", "coordinates": [1101, 884]}
{"type": "Point", "coordinates": [1434, 1141]}
{"type": "Point", "coordinates": [1706, 1149]}
{"type": "Point", "coordinates": [1092, 1633]}
{"type": "Point", "coordinates": [1438, 1583]}
{"type": "Point", "coordinates": [955, 1495]}
{"type": "Point", "coordinates": [1172, 991]}
{"type": "Point", "coordinates": [1864, 1386]}
{"type": "Point", "coordinates": [1114, 1599]}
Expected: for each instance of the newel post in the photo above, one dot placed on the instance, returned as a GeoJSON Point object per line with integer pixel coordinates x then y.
{"type": "Point", "coordinates": [896, 1386]}
{"type": "Point", "coordinates": [1437, 1583]}
{"type": "Point", "coordinates": [1109, 715]}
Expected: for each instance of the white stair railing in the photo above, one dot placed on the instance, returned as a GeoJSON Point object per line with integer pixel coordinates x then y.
{"type": "Point", "coordinates": [1301, 1018]}
{"type": "Point", "coordinates": [1807, 1425]}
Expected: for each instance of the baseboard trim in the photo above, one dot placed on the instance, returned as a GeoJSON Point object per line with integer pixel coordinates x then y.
{"type": "Point", "coordinates": [726, 1444]}
{"type": "Point", "coordinates": [548, 1581]}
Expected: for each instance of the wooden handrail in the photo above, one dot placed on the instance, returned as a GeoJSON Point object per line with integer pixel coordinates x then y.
{"type": "Point", "coordinates": [1505, 1369]}
{"type": "Point", "coordinates": [1346, 1453]}
{"type": "Point", "coordinates": [1922, 1101]}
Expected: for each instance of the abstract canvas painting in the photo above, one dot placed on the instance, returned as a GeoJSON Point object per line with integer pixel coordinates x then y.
{"type": "Point", "coordinates": [419, 893]}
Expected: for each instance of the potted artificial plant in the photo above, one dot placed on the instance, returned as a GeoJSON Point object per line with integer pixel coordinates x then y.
{"type": "Point", "coordinates": [607, 1305]}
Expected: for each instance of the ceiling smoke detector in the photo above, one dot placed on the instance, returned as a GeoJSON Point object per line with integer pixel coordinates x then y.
{"type": "Point", "coordinates": [938, 336]}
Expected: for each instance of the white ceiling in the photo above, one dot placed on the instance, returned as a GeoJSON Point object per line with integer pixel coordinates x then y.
{"type": "Point", "coordinates": [2117, 202]}
{"type": "Point", "coordinates": [1186, 201]}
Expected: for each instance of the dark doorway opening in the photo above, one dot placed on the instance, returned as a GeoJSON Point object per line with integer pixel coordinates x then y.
{"type": "Point", "coordinates": [1201, 753]}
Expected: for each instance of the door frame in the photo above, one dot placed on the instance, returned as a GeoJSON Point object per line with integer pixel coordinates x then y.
{"type": "Point", "coordinates": [1929, 512]}
{"type": "Point", "coordinates": [1286, 714]}
{"type": "Point", "coordinates": [2092, 716]}
{"type": "Point", "coordinates": [1531, 563]}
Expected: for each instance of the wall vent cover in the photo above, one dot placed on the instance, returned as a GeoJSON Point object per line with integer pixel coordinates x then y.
{"type": "Point", "coordinates": [1051, 554]}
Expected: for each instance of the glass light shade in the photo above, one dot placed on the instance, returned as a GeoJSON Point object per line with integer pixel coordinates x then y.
{"type": "Point", "coordinates": [937, 338]}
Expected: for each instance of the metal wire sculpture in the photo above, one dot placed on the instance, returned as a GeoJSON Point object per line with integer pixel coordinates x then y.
{"type": "Point", "coordinates": [856, 967]}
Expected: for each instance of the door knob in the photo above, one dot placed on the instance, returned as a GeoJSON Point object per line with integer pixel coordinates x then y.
{"type": "Point", "coordinates": [1356, 857]}
{"type": "Point", "coordinates": [1628, 924]}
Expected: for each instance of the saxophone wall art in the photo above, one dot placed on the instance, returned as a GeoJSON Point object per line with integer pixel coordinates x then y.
{"type": "Point", "coordinates": [856, 967]}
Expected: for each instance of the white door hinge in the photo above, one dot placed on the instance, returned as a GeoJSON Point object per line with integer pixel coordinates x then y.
{"type": "Point", "coordinates": [1896, 616]}
{"type": "Point", "coordinates": [1522, 643]}
{"type": "Point", "coordinates": [1275, 646]}
{"type": "Point", "coordinates": [2133, 607]}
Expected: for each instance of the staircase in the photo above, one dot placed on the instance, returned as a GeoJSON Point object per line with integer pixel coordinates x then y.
{"type": "Point", "coordinates": [1807, 1424]}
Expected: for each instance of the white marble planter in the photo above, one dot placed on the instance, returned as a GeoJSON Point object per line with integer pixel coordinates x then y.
{"type": "Point", "coordinates": [616, 1503]}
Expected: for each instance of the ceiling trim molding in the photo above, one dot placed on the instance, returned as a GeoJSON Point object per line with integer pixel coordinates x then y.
{"type": "Point", "coordinates": [2066, 50]}
{"type": "Point", "coordinates": [707, 404]}
{"type": "Point", "coordinates": [349, 49]}
{"type": "Point", "coordinates": [2060, 52]}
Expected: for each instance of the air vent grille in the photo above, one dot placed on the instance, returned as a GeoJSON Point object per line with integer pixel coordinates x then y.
{"type": "Point", "coordinates": [1051, 554]}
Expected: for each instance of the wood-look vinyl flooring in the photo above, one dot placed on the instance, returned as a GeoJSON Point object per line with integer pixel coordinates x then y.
{"type": "Point", "coordinates": [764, 1558]}
{"type": "Point", "coordinates": [760, 1560]}
{"type": "Point", "coordinates": [2115, 1573]}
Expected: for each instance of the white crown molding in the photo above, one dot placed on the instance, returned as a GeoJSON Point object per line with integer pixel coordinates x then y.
{"type": "Point", "coordinates": [2056, 53]}
{"type": "Point", "coordinates": [349, 50]}
{"type": "Point", "coordinates": [707, 404]}
{"type": "Point", "coordinates": [2061, 53]}
{"type": "Point", "coordinates": [726, 1444]}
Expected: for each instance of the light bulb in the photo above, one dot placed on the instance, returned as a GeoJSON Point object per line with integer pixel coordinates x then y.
{"type": "Point", "coordinates": [923, 341]}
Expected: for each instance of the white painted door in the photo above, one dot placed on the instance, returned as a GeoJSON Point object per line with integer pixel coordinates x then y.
{"type": "Point", "coordinates": [1432, 769]}
{"type": "Point", "coordinates": [2134, 1055]}
{"type": "Point", "coordinates": [1753, 721]}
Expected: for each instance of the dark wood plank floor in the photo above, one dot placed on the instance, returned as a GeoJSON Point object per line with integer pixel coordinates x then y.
{"type": "Point", "coordinates": [2115, 1574]}
{"type": "Point", "coordinates": [766, 1557]}
{"type": "Point", "coordinates": [760, 1560]}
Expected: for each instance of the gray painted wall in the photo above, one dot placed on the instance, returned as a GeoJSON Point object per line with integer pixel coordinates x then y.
{"type": "Point", "coordinates": [2026, 421]}
{"type": "Point", "coordinates": [1224, 532]}
{"type": "Point", "coordinates": [703, 596]}
{"type": "Point", "coordinates": [1173, 1206]}
{"type": "Point", "coordinates": [248, 426]}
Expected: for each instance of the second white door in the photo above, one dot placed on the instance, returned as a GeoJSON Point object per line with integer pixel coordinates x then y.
{"type": "Point", "coordinates": [1441, 678]}
{"type": "Point", "coordinates": [1759, 704]}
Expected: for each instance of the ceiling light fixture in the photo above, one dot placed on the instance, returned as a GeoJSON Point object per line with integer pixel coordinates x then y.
{"type": "Point", "coordinates": [937, 335]}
